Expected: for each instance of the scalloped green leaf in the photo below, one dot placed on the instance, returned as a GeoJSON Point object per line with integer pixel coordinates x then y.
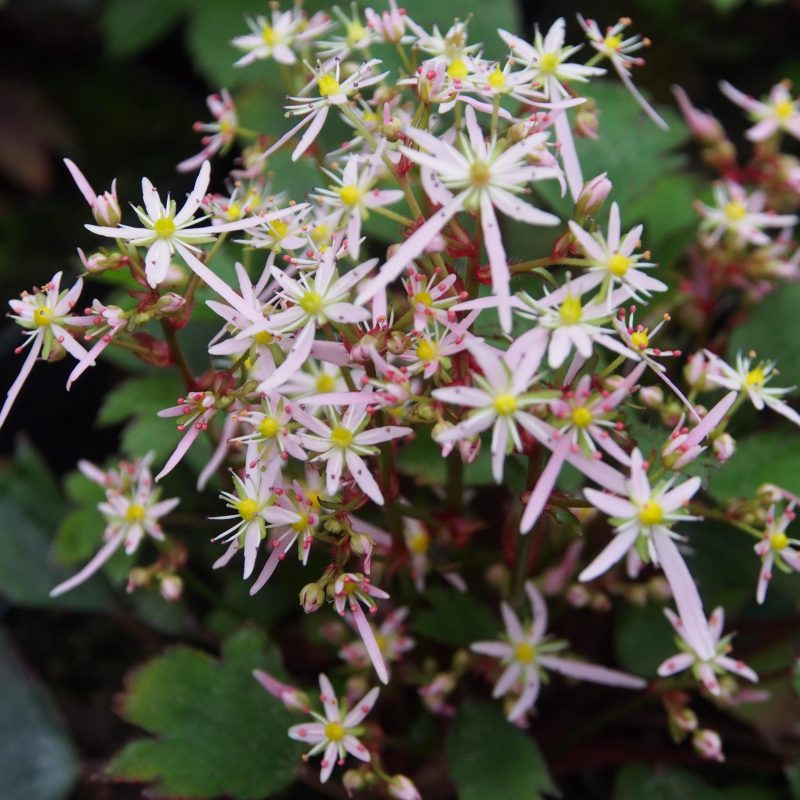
{"type": "Point", "coordinates": [216, 731]}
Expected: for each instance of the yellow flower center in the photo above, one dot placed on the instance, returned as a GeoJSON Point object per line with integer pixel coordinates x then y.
{"type": "Point", "coordinates": [505, 404]}
{"type": "Point", "coordinates": [457, 69]}
{"type": "Point", "coordinates": [778, 540]}
{"type": "Point", "coordinates": [341, 436]}
{"type": "Point", "coordinates": [320, 233]}
{"type": "Point", "coordinates": [350, 194]}
{"type": "Point", "coordinates": [419, 543]}
{"type": "Point", "coordinates": [233, 211]}
{"type": "Point", "coordinates": [42, 316]}
{"type": "Point", "coordinates": [301, 524]}
{"type": "Point", "coordinates": [226, 126]}
{"type": "Point", "coordinates": [325, 382]}
{"type": "Point", "coordinates": [355, 32]}
{"type": "Point", "coordinates": [734, 211]}
{"type": "Point", "coordinates": [525, 652]}
{"type": "Point", "coordinates": [571, 310]}
{"type": "Point", "coordinates": [424, 298]}
{"type": "Point", "coordinates": [651, 513]}
{"type": "Point", "coordinates": [581, 416]}
{"type": "Point", "coordinates": [247, 508]}
{"type": "Point", "coordinates": [279, 228]}
{"type": "Point", "coordinates": [612, 42]}
{"type": "Point", "coordinates": [618, 264]}
{"type": "Point", "coordinates": [134, 513]}
{"type": "Point", "coordinates": [380, 640]}
{"type": "Point", "coordinates": [313, 495]}
{"type": "Point", "coordinates": [426, 350]}
{"type": "Point", "coordinates": [549, 62]}
{"type": "Point", "coordinates": [263, 337]}
{"type": "Point", "coordinates": [268, 427]}
{"type": "Point", "coordinates": [334, 732]}
{"type": "Point", "coordinates": [164, 227]}
{"type": "Point", "coordinates": [640, 340]}
{"type": "Point", "coordinates": [496, 79]}
{"type": "Point", "coordinates": [270, 37]}
{"type": "Point", "coordinates": [784, 109]}
{"type": "Point", "coordinates": [755, 377]}
{"type": "Point", "coordinates": [328, 85]}
{"type": "Point", "coordinates": [479, 173]}
{"type": "Point", "coordinates": [312, 302]}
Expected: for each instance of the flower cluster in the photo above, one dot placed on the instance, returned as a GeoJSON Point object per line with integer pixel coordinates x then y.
{"type": "Point", "coordinates": [340, 358]}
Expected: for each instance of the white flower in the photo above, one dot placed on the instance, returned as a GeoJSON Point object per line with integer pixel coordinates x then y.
{"type": "Point", "coordinates": [165, 230]}
{"type": "Point", "coordinates": [335, 734]}
{"type": "Point", "coordinates": [484, 176]}
{"type": "Point", "coordinates": [131, 510]}
{"type": "Point", "coordinates": [778, 113]}
{"type": "Point", "coordinates": [752, 381]}
{"type": "Point", "coordinates": [527, 653]}
{"type": "Point", "coordinates": [43, 315]}
{"type": "Point", "coordinates": [740, 216]}
{"type": "Point", "coordinates": [707, 656]}
{"type": "Point", "coordinates": [776, 548]}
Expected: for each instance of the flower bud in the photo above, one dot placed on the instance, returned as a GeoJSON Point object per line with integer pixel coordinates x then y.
{"type": "Point", "coordinates": [724, 447]}
{"type": "Point", "coordinates": [101, 262]}
{"type": "Point", "coordinates": [593, 195]}
{"type": "Point", "coordinates": [587, 122]}
{"type": "Point", "coordinates": [708, 744]}
{"type": "Point", "coordinates": [312, 596]}
{"type": "Point", "coordinates": [170, 303]}
{"type": "Point", "coordinates": [353, 781]}
{"type": "Point", "coordinates": [704, 127]}
{"type": "Point", "coordinates": [651, 397]}
{"type": "Point", "coordinates": [171, 588]}
{"type": "Point", "coordinates": [106, 209]}
{"type": "Point", "coordinates": [402, 788]}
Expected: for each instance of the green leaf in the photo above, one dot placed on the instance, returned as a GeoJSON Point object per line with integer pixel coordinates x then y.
{"type": "Point", "coordinates": [773, 331]}
{"type": "Point", "coordinates": [27, 572]}
{"type": "Point", "coordinates": [37, 761]}
{"type": "Point", "coordinates": [646, 782]}
{"type": "Point", "coordinates": [793, 776]}
{"type": "Point", "coordinates": [130, 26]}
{"type": "Point", "coordinates": [218, 733]}
{"type": "Point", "coordinates": [489, 757]}
{"type": "Point", "coordinates": [28, 481]}
{"type": "Point", "coordinates": [455, 618]}
{"type": "Point", "coordinates": [759, 458]}
{"type": "Point", "coordinates": [79, 535]}
{"type": "Point", "coordinates": [137, 396]}
{"type": "Point", "coordinates": [643, 639]}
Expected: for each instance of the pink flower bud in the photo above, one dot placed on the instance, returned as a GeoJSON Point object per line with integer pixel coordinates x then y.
{"type": "Point", "coordinates": [708, 744]}
{"type": "Point", "coordinates": [587, 122]}
{"type": "Point", "coordinates": [312, 596]}
{"type": "Point", "coordinates": [353, 781]}
{"type": "Point", "coordinates": [106, 209]}
{"type": "Point", "coordinates": [170, 303]}
{"type": "Point", "coordinates": [402, 788]}
{"type": "Point", "coordinates": [171, 588]}
{"type": "Point", "coordinates": [593, 195]}
{"type": "Point", "coordinates": [652, 396]}
{"type": "Point", "coordinates": [724, 447]}
{"type": "Point", "coordinates": [704, 127]}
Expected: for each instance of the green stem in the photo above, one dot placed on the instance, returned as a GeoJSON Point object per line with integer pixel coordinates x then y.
{"type": "Point", "coordinates": [178, 356]}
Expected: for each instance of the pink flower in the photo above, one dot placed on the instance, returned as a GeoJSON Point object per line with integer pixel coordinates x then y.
{"type": "Point", "coordinates": [132, 509]}
{"type": "Point", "coordinates": [105, 207]}
{"type": "Point", "coordinates": [391, 638]}
{"type": "Point", "coordinates": [335, 734]}
{"type": "Point", "coordinates": [290, 697]}
{"type": "Point", "coordinates": [778, 113]}
{"type": "Point", "coordinates": [484, 177]}
{"type": "Point", "coordinates": [527, 653]}
{"type": "Point", "coordinates": [194, 411]}
{"type": "Point", "coordinates": [777, 548]}
{"type": "Point", "coordinates": [705, 654]}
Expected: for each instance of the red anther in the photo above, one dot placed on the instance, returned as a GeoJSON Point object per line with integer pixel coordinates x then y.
{"type": "Point", "coordinates": [430, 74]}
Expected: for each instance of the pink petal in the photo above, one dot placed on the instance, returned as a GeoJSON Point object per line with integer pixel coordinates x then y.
{"type": "Point", "coordinates": [100, 558]}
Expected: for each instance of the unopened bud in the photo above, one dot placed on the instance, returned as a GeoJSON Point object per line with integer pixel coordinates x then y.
{"type": "Point", "coordinates": [652, 397]}
{"type": "Point", "coordinates": [587, 122]}
{"type": "Point", "coordinates": [170, 303]}
{"type": "Point", "coordinates": [592, 197]}
{"type": "Point", "coordinates": [724, 447]}
{"type": "Point", "coordinates": [171, 588]}
{"type": "Point", "coordinates": [353, 781]}
{"type": "Point", "coordinates": [704, 127]}
{"type": "Point", "coordinates": [312, 596]}
{"type": "Point", "coordinates": [402, 788]}
{"type": "Point", "coordinates": [106, 209]}
{"type": "Point", "coordinates": [101, 262]}
{"type": "Point", "coordinates": [708, 744]}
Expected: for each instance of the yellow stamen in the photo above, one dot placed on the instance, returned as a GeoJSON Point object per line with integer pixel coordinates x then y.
{"type": "Point", "coordinates": [42, 316]}
{"type": "Point", "coordinates": [279, 228]}
{"type": "Point", "coordinates": [784, 109]}
{"type": "Point", "coordinates": [426, 350]}
{"type": "Point", "coordinates": [312, 302]}
{"type": "Point", "coordinates": [651, 513]}
{"type": "Point", "coordinates": [247, 509]}
{"type": "Point", "coordinates": [612, 42]}
{"type": "Point", "coordinates": [479, 173]}
{"type": "Point", "coordinates": [325, 382]}
{"type": "Point", "coordinates": [505, 404]}
{"type": "Point", "coordinates": [270, 37]}
{"type": "Point", "coordinates": [164, 227]}
{"type": "Point", "coordinates": [756, 377]}
{"type": "Point", "coordinates": [320, 233]}
{"type": "Point", "coordinates": [328, 85]}
{"type": "Point", "coordinates": [496, 79]}
{"type": "Point", "coordinates": [341, 436]}
{"type": "Point", "coordinates": [263, 337]}
{"type": "Point", "coordinates": [457, 69]}
{"type": "Point", "coordinates": [350, 194]}
{"type": "Point", "coordinates": [424, 298]}
{"type": "Point", "coordinates": [134, 513]}
{"type": "Point", "coordinates": [355, 32]}
{"type": "Point", "coordinates": [233, 211]}
{"type": "Point", "coordinates": [268, 427]}
{"type": "Point", "coordinates": [640, 340]}
{"type": "Point", "coordinates": [618, 264]}
{"type": "Point", "coordinates": [419, 543]}
{"type": "Point", "coordinates": [734, 211]}
{"type": "Point", "coordinates": [779, 540]}
{"type": "Point", "coordinates": [334, 732]}
{"type": "Point", "coordinates": [571, 310]}
{"type": "Point", "coordinates": [301, 524]}
{"type": "Point", "coordinates": [581, 416]}
{"type": "Point", "coordinates": [549, 62]}
{"type": "Point", "coordinates": [525, 652]}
